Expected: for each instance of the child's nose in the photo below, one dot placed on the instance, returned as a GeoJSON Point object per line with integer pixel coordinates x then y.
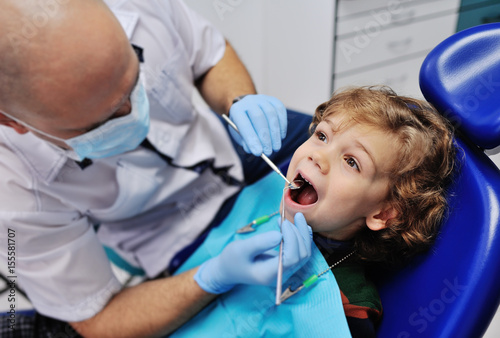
{"type": "Point", "coordinates": [320, 160]}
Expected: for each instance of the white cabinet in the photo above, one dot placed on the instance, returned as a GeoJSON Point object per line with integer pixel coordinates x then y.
{"type": "Point", "coordinates": [385, 42]}
{"type": "Point", "coordinates": [300, 50]}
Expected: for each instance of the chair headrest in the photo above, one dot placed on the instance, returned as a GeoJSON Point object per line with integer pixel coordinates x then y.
{"type": "Point", "coordinates": [461, 78]}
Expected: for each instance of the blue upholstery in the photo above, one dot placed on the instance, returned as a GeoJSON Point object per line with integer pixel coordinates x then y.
{"type": "Point", "coordinates": [461, 77]}
{"type": "Point", "coordinates": [454, 290]}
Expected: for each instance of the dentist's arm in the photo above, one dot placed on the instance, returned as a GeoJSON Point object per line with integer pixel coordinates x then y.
{"type": "Point", "coordinates": [156, 308]}
{"type": "Point", "coordinates": [225, 81]}
{"type": "Point", "coordinates": [151, 309]}
{"type": "Point", "coordinates": [261, 119]}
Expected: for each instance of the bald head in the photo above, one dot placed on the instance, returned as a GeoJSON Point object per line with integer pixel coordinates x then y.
{"type": "Point", "coordinates": [61, 60]}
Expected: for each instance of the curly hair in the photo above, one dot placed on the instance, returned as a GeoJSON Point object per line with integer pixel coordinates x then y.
{"type": "Point", "coordinates": [419, 179]}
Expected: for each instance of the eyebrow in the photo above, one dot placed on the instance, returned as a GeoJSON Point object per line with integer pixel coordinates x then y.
{"type": "Point", "coordinates": [331, 124]}
{"type": "Point", "coordinates": [357, 143]}
{"type": "Point", "coordinates": [360, 145]}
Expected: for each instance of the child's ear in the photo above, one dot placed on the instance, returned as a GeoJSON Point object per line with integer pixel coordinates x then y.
{"type": "Point", "coordinates": [378, 220]}
{"type": "Point", "coordinates": [7, 121]}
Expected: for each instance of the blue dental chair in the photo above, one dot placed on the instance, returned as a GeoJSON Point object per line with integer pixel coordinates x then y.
{"type": "Point", "coordinates": [454, 290]}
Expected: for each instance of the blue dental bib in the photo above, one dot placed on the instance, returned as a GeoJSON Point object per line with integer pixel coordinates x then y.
{"type": "Point", "coordinates": [250, 311]}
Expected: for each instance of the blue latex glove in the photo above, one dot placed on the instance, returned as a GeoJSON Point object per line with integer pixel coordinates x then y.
{"type": "Point", "coordinates": [262, 123]}
{"type": "Point", "coordinates": [254, 260]}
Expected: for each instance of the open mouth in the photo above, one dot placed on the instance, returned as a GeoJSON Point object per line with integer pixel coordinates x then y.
{"type": "Point", "coordinates": [306, 194]}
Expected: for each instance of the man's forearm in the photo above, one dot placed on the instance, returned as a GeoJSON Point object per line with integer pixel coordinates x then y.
{"type": "Point", "coordinates": [154, 308]}
{"type": "Point", "coordinates": [226, 80]}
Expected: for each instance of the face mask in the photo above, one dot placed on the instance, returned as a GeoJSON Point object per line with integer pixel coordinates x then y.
{"type": "Point", "coordinates": [114, 137]}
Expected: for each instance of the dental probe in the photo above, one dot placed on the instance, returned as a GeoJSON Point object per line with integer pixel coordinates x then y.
{"type": "Point", "coordinates": [279, 279]}
{"type": "Point", "coordinates": [263, 156]}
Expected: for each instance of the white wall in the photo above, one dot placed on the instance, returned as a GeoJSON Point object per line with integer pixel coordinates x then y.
{"type": "Point", "coordinates": [287, 45]}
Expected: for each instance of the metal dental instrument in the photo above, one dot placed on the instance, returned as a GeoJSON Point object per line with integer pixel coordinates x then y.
{"type": "Point", "coordinates": [263, 156]}
{"type": "Point", "coordinates": [263, 219]}
{"type": "Point", "coordinates": [289, 292]}
{"type": "Point", "coordinates": [280, 297]}
{"type": "Point", "coordinates": [279, 279]}
{"type": "Point", "coordinates": [250, 227]}
{"type": "Point", "coordinates": [258, 221]}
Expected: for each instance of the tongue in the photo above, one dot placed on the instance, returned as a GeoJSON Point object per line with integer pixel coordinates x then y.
{"type": "Point", "coordinates": [307, 196]}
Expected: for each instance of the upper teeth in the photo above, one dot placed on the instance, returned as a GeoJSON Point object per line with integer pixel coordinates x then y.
{"type": "Point", "coordinates": [300, 178]}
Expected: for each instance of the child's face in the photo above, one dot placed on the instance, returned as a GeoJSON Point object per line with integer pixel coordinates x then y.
{"type": "Point", "coordinates": [348, 172]}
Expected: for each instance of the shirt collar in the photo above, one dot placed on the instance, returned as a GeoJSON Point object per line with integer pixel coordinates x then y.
{"type": "Point", "coordinates": [128, 20]}
{"type": "Point", "coordinates": [43, 159]}
{"type": "Point", "coordinates": [332, 244]}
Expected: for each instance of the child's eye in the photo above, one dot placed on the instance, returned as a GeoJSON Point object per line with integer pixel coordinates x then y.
{"type": "Point", "coordinates": [321, 136]}
{"type": "Point", "coordinates": [351, 162]}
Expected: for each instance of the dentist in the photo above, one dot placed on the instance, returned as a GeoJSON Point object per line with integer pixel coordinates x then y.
{"type": "Point", "coordinates": [102, 149]}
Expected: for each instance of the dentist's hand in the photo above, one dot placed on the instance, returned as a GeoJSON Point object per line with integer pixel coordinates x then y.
{"type": "Point", "coordinates": [262, 123]}
{"type": "Point", "coordinates": [253, 260]}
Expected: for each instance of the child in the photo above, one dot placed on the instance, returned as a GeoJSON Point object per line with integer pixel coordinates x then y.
{"type": "Point", "coordinates": [374, 175]}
